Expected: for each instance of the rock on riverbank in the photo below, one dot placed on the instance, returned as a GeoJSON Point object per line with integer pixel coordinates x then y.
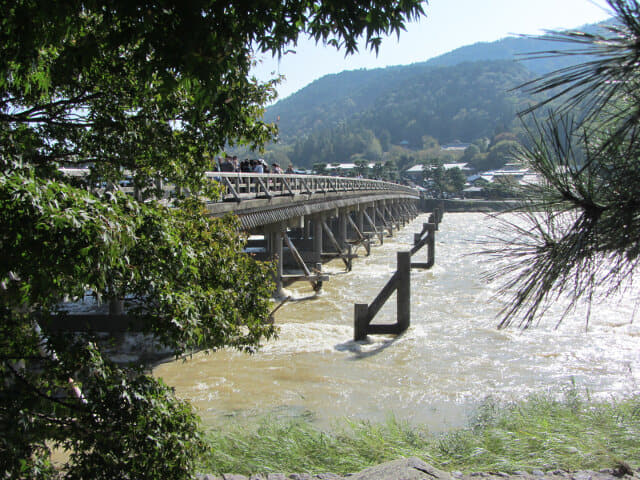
{"type": "Point", "coordinates": [416, 469]}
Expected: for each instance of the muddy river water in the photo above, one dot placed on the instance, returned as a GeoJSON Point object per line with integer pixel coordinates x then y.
{"type": "Point", "coordinates": [451, 359]}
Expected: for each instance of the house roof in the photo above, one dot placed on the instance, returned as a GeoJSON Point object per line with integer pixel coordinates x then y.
{"type": "Point", "coordinates": [346, 166]}
{"type": "Point", "coordinates": [455, 146]}
{"type": "Point", "coordinates": [447, 166]}
{"type": "Point", "coordinates": [461, 166]}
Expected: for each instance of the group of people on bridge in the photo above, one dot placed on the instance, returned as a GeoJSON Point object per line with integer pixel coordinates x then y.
{"type": "Point", "coordinates": [231, 164]}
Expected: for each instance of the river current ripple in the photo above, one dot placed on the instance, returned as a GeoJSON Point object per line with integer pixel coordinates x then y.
{"type": "Point", "coordinates": [451, 359]}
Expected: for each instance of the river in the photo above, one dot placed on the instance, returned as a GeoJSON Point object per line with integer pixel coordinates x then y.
{"type": "Point", "coordinates": [451, 359]}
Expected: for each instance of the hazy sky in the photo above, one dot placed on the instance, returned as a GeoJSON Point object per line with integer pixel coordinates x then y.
{"type": "Point", "coordinates": [449, 24]}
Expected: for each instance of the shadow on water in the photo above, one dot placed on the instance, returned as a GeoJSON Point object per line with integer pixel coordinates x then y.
{"type": "Point", "coordinates": [359, 352]}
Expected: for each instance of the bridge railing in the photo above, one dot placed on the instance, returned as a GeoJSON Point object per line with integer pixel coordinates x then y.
{"type": "Point", "coordinates": [239, 186]}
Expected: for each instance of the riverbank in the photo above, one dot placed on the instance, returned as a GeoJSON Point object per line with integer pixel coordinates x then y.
{"type": "Point", "coordinates": [534, 438]}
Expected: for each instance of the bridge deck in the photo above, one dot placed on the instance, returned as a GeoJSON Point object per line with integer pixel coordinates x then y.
{"type": "Point", "coordinates": [263, 198]}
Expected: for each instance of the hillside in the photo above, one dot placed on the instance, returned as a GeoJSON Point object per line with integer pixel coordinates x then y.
{"type": "Point", "coordinates": [342, 97]}
{"type": "Point", "coordinates": [463, 102]}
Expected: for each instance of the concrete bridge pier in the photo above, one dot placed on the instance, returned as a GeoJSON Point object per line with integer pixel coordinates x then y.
{"type": "Point", "coordinates": [334, 227]}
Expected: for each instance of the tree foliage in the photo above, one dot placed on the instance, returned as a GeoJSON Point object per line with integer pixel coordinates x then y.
{"type": "Point", "coordinates": [152, 91]}
{"type": "Point", "coordinates": [582, 224]}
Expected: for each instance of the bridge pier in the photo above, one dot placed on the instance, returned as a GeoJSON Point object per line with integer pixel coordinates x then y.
{"type": "Point", "coordinates": [273, 234]}
{"type": "Point", "coordinates": [342, 228]}
{"type": "Point", "coordinates": [307, 228]}
{"type": "Point", "coordinates": [400, 282]}
{"type": "Point", "coordinates": [317, 238]}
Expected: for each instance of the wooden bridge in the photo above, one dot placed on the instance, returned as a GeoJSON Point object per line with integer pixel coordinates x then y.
{"type": "Point", "coordinates": [302, 220]}
{"type": "Point", "coordinates": [299, 221]}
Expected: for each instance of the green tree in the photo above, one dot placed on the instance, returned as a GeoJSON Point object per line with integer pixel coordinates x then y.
{"type": "Point", "coordinates": [320, 168]}
{"type": "Point", "coordinates": [470, 152]}
{"type": "Point", "coordinates": [499, 154]}
{"type": "Point", "coordinates": [428, 142]}
{"type": "Point", "coordinates": [373, 149]}
{"type": "Point", "coordinates": [385, 140]}
{"type": "Point", "coordinates": [502, 187]}
{"type": "Point", "coordinates": [378, 171]}
{"type": "Point", "coordinates": [434, 174]}
{"type": "Point", "coordinates": [455, 180]}
{"type": "Point", "coordinates": [153, 92]}
{"type": "Point", "coordinates": [362, 168]}
{"type": "Point", "coordinates": [583, 222]}
{"type": "Point", "coordinates": [390, 171]}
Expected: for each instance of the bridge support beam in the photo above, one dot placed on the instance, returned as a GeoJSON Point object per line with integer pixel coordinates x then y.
{"type": "Point", "coordinates": [275, 254]}
{"type": "Point", "coordinates": [307, 228]}
{"type": "Point", "coordinates": [360, 220]}
{"type": "Point", "coordinates": [383, 220]}
{"type": "Point", "coordinates": [400, 282]}
{"type": "Point", "coordinates": [361, 238]}
{"type": "Point", "coordinates": [316, 280]}
{"type": "Point", "coordinates": [317, 238]}
{"type": "Point", "coordinates": [342, 228]}
{"type": "Point", "coordinates": [345, 258]}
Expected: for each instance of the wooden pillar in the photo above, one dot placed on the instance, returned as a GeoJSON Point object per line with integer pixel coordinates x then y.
{"type": "Point", "coordinates": [431, 244]}
{"type": "Point", "coordinates": [393, 215]}
{"type": "Point", "coordinates": [360, 322]}
{"type": "Point", "coordinates": [360, 220]}
{"type": "Point", "coordinates": [403, 295]}
{"type": "Point", "coordinates": [375, 229]}
{"type": "Point", "coordinates": [277, 256]}
{"type": "Point", "coordinates": [342, 228]}
{"type": "Point", "coordinates": [307, 228]}
{"type": "Point", "coordinates": [317, 239]}
{"type": "Point", "coordinates": [383, 220]}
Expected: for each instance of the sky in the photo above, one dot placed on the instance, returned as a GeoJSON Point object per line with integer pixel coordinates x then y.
{"type": "Point", "coordinates": [449, 24]}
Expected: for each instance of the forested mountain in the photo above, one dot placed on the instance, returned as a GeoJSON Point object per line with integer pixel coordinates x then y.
{"type": "Point", "coordinates": [465, 95]}
{"type": "Point", "coordinates": [463, 102]}
{"type": "Point", "coordinates": [445, 102]}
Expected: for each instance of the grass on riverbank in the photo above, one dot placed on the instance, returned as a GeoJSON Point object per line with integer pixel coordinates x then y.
{"type": "Point", "coordinates": [538, 433]}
